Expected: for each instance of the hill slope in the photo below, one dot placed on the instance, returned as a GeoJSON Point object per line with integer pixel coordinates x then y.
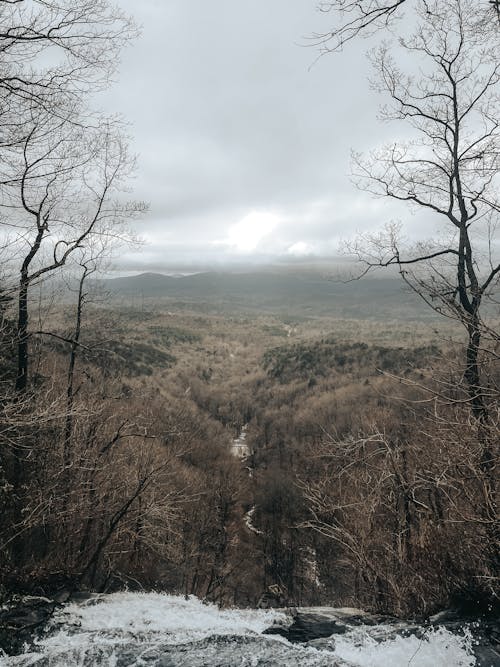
{"type": "Point", "coordinates": [300, 293]}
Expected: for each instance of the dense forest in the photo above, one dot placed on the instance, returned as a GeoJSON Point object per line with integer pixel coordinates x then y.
{"type": "Point", "coordinates": [356, 486]}
{"type": "Point", "coordinates": [365, 473]}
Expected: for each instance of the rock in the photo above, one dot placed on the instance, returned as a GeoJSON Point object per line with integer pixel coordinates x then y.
{"type": "Point", "coordinates": [21, 619]}
{"type": "Point", "coordinates": [307, 626]}
{"type": "Point", "coordinates": [311, 623]}
{"type": "Point", "coordinates": [215, 651]}
{"type": "Point", "coordinates": [486, 656]}
{"type": "Point", "coordinates": [62, 597]}
{"type": "Point", "coordinates": [85, 596]}
{"type": "Point", "coordinates": [326, 644]}
{"type": "Point", "coordinates": [486, 647]}
{"type": "Point", "coordinates": [445, 616]}
{"type": "Point", "coordinates": [315, 626]}
{"type": "Point", "coordinates": [228, 651]}
{"type": "Point", "coordinates": [485, 630]}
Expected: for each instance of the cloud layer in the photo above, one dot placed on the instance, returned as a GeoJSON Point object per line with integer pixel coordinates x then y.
{"type": "Point", "coordinates": [243, 137]}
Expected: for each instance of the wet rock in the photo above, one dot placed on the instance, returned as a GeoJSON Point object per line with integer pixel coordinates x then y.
{"type": "Point", "coordinates": [62, 596]}
{"type": "Point", "coordinates": [311, 623]}
{"type": "Point", "coordinates": [307, 626]}
{"type": "Point", "coordinates": [20, 619]}
{"type": "Point", "coordinates": [316, 627]}
{"type": "Point", "coordinates": [486, 656]}
{"type": "Point", "coordinates": [485, 630]}
{"type": "Point", "coordinates": [485, 633]}
{"type": "Point", "coordinates": [326, 644]}
{"type": "Point", "coordinates": [215, 651]}
{"type": "Point", "coordinates": [24, 617]}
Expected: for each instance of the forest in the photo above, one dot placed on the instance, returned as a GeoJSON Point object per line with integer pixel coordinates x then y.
{"type": "Point", "coordinates": [369, 431]}
{"type": "Point", "coordinates": [358, 484]}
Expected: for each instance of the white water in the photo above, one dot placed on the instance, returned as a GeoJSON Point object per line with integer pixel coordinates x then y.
{"type": "Point", "coordinates": [248, 521]}
{"type": "Point", "coordinates": [439, 649]}
{"type": "Point", "coordinates": [172, 616]}
{"type": "Point", "coordinates": [102, 632]}
{"type": "Point", "coordinates": [239, 447]}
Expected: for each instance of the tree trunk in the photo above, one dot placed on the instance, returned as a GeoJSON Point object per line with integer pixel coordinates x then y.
{"type": "Point", "coordinates": [70, 394]}
{"type": "Point", "coordinates": [472, 372]}
{"type": "Point", "coordinates": [22, 335]}
{"type": "Point", "coordinates": [487, 440]}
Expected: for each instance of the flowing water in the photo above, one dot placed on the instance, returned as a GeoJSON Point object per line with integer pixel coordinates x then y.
{"type": "Point", "coordinates": [136, 630]}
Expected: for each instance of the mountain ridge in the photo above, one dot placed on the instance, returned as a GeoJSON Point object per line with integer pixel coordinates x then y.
{"type": "Point", "coordinates": [304, 292]}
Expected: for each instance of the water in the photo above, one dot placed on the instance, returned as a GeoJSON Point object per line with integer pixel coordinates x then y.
{"type": "Point", "coordinates": [135, 630]}
{"type": "Point", "coordinates": [239, 447]}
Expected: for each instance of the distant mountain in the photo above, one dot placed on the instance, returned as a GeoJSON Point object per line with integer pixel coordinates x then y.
{"type": "Point", "coordinates": [305, 293]}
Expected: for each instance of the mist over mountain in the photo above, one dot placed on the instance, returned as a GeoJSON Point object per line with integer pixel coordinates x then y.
{"type": "Point", "coordinates": [304, 292]}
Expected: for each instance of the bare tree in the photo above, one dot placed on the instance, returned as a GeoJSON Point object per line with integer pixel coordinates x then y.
{"type": "Point", "coordinates": [66, 178]}
{"type": "Point", "coordinates": [405, 518]}
{"type": "Point", "coordinates": [53, 55]}
{"type": "Point", "coordinates": [89, 262]}
{"type": "Point", "coordinates": [59, 162]}
{"type": "Point", "coordinates": [62, 169]}
{"type": "Point", "coordinates": [449, 170]}
{"type": "Point", "coordinates": [362, 18]}
{"type": "Point", "coordinates": [58, 47]}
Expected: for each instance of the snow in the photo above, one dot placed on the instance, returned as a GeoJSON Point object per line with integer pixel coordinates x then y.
{"type": "Point", "coordinates": [154, 628]}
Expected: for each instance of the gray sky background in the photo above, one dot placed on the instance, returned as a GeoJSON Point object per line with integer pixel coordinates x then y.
{"type": "Point", "coordinates": [243, 139]}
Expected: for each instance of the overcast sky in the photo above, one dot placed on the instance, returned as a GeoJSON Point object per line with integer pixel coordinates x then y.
{"type": "Point", "coordinates": [243, 136]}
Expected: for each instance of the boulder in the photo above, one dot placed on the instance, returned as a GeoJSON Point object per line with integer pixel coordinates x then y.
{"type": "Point", "coordinates": [308, 626]}
{"type": "Point", "coordinates": [20, 619]}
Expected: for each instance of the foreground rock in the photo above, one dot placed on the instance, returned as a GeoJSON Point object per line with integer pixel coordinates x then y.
{"type": "Point", "coordinates": [314, 623]}
{"type": "Point", "coordinates": [317, 628]}
{"type": "Point", "coordinates": [21, 619]}
{"type": "Point", "coordinates": [216, 651]}
{"type": "Point", "coordinates": [155, 629]}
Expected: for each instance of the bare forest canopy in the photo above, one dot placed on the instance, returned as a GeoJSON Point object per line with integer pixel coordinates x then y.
{"type": "Point", "coordinates": [294, 293]}
{"type": "Point", "coordinates": [354, 19]}
{"type": "Point", "coordinates": [265, 437]}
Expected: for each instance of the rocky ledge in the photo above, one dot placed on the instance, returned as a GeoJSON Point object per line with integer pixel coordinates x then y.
{"type": "Point", "coordinates": [23, 617]}
{"type": "Point", "coordinates": [317, 627]}
{"type": "Point", "coordinates": [20, 619]}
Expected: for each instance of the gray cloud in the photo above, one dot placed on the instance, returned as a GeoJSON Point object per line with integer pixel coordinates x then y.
{"type": "Point", "coordinates": [230, 116]}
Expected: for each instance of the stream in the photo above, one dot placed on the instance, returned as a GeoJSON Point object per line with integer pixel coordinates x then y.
{"type": "Point", "coordinates": [139, 629]}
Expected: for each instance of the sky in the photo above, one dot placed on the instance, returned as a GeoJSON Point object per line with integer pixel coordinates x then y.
{"type": "Point", "coordinates": [243, 134]}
